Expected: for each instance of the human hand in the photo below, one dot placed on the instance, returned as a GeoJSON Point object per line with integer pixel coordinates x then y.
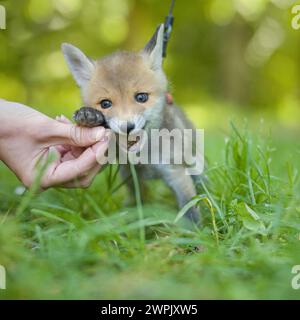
{"type": "Point", "coordinates": [28, 136]}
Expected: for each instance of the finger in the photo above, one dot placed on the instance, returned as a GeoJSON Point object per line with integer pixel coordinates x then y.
{"type": "Point", "coordinates": [84, 182]}
{"type": "Point", "coordinates": [100, 154]}
{"type": "Point", "coordinates": [69, 152]}
{"type": "Point", "coordinates": [62, 172]}
{"type": "Point", "coordinates": [67, 157]}
{"type": "Point", "coordinates": [62, 149]}
{"type": "Point", "coordinates": [77, 151]}
{"type": "Point", "coordinates": [87, 181]}
{"type": "Point", "coordinates": [70, 134]}
{"type": "Point", "coordinates": [72, 154]}
{"type": "Point", "coordinates": [63, 119]}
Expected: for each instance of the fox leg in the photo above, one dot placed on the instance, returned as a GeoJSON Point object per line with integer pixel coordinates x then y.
{"type": "Point", "coordinates": [183, 187]}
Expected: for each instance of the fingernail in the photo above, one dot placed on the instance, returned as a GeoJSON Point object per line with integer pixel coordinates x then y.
{"type": "Point", "coordinates": [97, 133]}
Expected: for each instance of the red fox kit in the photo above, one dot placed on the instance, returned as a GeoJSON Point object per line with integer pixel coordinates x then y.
{"type": "Point", "coordinates": [130, 89]}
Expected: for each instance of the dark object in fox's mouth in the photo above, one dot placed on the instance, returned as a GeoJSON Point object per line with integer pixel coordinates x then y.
{"type": "Point", "coordinates": [131, 143]}
{"type": "Point", "coordinates": [89, 117]}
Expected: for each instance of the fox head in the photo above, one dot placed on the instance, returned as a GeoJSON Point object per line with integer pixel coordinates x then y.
{"type": "Point", "coordinates": [127, 87]}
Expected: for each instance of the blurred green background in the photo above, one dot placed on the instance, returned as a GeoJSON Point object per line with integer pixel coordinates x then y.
{"type": "Point", "coordinates": [225, 57]}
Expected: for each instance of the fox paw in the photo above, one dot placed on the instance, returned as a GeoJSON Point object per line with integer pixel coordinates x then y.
{"type": "Point", "coordinates": [89, 117]}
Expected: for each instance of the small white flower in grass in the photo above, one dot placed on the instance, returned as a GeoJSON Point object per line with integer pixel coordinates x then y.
{"type": "Point", "coordinates": [20, 190]}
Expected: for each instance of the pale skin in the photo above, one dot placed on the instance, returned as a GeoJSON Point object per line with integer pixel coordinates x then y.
{"type": "Point", "coordinates": [28, 137]}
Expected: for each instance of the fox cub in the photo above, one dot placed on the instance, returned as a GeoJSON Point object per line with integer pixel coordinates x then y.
{"type": "Point", "coordinates": [130, 89]}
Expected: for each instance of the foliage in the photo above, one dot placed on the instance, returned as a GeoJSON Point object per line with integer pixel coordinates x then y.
{"type": "Point", "coordinates": [86, 244]}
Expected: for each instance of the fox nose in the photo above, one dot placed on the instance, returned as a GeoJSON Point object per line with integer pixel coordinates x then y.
{"type": "Point", "coordinates": [127, 127]}
{"type": "Point", "coordinates": [130, 127]}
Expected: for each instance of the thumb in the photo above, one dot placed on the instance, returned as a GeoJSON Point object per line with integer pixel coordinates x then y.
{"type": "Point", "coordinates": [70, 134]}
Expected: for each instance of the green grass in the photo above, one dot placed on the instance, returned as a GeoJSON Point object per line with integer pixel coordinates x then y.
{"type": "Point", "coordinates": [86, 244]}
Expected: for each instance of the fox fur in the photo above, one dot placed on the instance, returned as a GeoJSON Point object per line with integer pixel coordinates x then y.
{"type": "Point", "coordinates": [118, 77]}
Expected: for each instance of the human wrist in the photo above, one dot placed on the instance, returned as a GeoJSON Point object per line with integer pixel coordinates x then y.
{"type": "Point", "coordinates": [16, 118]}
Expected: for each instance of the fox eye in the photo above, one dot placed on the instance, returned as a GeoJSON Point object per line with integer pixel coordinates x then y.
{"type": "Point", "coordinates": [142, 97]}
{"type": "Point", "coordinates": [105, 104]}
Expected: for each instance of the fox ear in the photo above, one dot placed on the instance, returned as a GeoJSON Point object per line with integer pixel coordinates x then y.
{"type": "Point", "coordinates": [154, 48]}
{"type": "Point", "coordinates": [79, 64]}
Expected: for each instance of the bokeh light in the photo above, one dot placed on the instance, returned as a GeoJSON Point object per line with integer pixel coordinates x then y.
{"type": "Point", "coordinates": [223, 55]}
